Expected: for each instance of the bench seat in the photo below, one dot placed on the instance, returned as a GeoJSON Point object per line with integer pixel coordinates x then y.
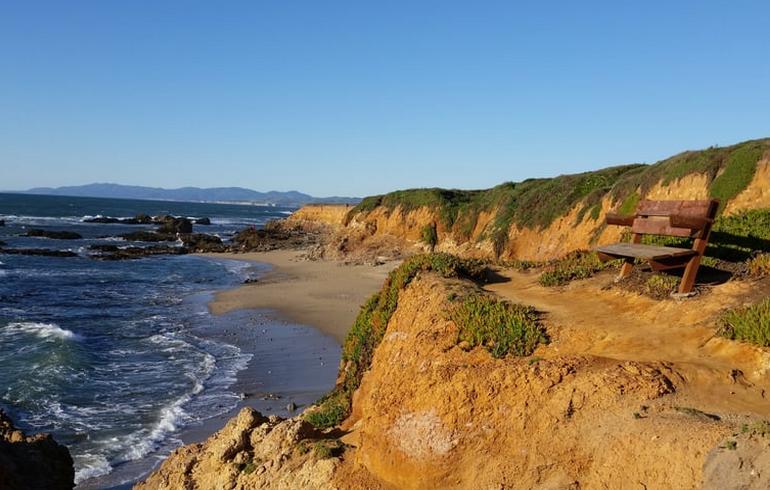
{"type": "Point", "coordinates": [646, 252]}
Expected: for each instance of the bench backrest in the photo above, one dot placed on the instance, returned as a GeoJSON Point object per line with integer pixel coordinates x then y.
{"type": "Point", "coordinates": [652, 216]}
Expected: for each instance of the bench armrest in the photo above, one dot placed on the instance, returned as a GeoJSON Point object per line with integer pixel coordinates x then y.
{"type": "Point", "coordinates": [691, 222]}
{"type": "Point", "coordinates": [618, 219]}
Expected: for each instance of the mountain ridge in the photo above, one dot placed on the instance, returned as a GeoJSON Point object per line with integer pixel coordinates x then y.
{"type": "Point", "coordinates": [198, 194]}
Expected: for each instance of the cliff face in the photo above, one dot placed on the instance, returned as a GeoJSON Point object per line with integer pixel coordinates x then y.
{"type": "Point", "coordinates": [32, 461]}
{"type": "Point", "coordinates": [541, 219]}
{"type": "Point", "coordinates": [430, 413]}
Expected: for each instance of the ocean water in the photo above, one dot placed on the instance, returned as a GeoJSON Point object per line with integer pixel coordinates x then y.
{"type": "Point", "coordinates": [109, 356]}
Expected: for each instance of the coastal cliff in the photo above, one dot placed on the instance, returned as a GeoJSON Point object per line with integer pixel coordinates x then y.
{"type": "Point", "coordinates": [540, 219]}
{"type": "Point", "coordinates": [431, 411]}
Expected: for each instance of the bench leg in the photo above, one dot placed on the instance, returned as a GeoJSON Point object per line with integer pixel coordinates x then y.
{"type": "Point", "coordinates": [690, 272]}
{"type": "Point", "coordinates": [626, 268]}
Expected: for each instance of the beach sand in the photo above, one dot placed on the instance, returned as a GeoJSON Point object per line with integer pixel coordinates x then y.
{"type": "Point", "coordinates": [323, 294]}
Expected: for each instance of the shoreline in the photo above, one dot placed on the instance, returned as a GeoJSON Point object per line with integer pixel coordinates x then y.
{"type": "Point", "coordinates": [326, 295]}
{"type": "Point", "coordinates": [291, 321]}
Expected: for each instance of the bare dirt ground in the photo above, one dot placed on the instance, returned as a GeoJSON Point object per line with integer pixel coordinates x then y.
{"type": "Point", "coordinates": [711, 373]}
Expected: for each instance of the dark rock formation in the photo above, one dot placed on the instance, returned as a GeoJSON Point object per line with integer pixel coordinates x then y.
{"type": "Point", "coordinates": [201, 242]}
{"type": "Point", "coordinates": [172, 224]}
{"type": "Point", "coordinates": [2, 222]}
{"type": "Point", "coordinates": [148, 236]}
{"type": "Point", "coordinates": [129, 253]}
{"type": "Point", "coordinates": [46, 252]}
{"type": "Point", "coordinates": [2, 243]}
{"type": "Point", "coordinates": [274, 236]}
{"type": "Point", "coordinates": [203, 221]}
{"type": "Point", "coordinates": [57, 235]}
{"type": "Point", "coordinates": [28, 462]}
{"type": "Point", "coordinates": [139, 219]}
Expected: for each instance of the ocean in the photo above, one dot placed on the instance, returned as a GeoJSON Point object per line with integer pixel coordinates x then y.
{"type": "Point", "coordinates": [116, 359]}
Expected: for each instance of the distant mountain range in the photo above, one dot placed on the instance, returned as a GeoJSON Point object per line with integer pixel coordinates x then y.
{"type": "Point", "coordinates": [197, 194]}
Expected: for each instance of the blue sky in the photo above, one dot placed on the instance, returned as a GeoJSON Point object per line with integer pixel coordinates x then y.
{"type": "Point", "coordinates": [356, 98]}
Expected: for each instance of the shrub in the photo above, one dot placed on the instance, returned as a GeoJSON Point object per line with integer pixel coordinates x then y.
{"type": "Point", "coordinates": [748, 324]}
{"type": "Point", "coordinates": [759, 266]}
{"type": "Point", "coordinates": [502, 327]}
{"type": "Point", "coordinates": [660, 285]}
{"type": "Point", "coordinates": [369, 328]}
{"type": "Point", "coordinates": [429, 236]}
{"type": "Point", "coordinates": [576, 265]}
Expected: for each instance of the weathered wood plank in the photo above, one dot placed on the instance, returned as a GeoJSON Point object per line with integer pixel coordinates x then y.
{"type": "Point", "coordinates": [647, 252]}
{"type": "Point", "coordinates": [683, 208]}
{"type": "Point", "coordinates": [660, 225]}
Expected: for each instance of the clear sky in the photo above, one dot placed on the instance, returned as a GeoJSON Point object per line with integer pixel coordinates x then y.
{"type": "Point", "coordinates": [363, 97]}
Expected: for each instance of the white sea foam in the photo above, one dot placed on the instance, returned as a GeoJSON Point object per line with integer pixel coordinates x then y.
{"type": "Point", "coordinates": [44, 330]}
{"type": "Point", "coordinates": [90, 466]}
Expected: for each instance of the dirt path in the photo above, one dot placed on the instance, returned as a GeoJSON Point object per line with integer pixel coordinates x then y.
{"type": "Point", "coordinates": [713, 373]}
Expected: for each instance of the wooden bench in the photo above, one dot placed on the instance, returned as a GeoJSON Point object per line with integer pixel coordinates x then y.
{"type": "Point", "coordinates": [687, 219]}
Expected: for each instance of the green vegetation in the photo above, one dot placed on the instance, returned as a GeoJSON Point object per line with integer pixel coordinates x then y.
{"type": "Point", "coordinates": [536, 203]}
{"type": "Point", "coordinates": [576, 265]}
{"type": "Point", "coordinates": [738, 172]}
{"type": "Point", "coordinates": [501, 327]}
{"type": "Point", "coordinates": [748, 324]}
{"type": "Point", "coordinates": [759, 266]}
{"type": "Point", "coordinates": [248, 467]}
{"type": "Point", "coordinates": [369, 328]}
{"type": "Point", "coordinates": [429, 236]}
{"type": "Point", "coordinates": [628, 206]}
{"type": "Point", "coordinates": [660, 285]}
{"type": "Point", "coordinates": [328, 448]}
{"type": "Point", "coordinates": [760, 428]}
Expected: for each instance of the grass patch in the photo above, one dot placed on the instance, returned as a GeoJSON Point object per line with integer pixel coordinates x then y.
{"type": "Point", "coordinates": [660, 285]}
{"type": "Point", "coordinates": [760, 428]}
{"type": "Point", "coordinates": [759, 266]}
{"type": "Point", "coordinates": [574, 266]}
{"type": "Point", "coordinates": [628, 206]}
{"type": "Point", "coordinates": [501, 327]}
{"type": "Point", "coordinates": [369, 328]}
{"type": "Point", "coordinates": [747, 324]}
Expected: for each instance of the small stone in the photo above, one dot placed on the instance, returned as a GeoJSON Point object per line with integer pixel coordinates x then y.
{"type": "Point", "coordinates": [291, 406]}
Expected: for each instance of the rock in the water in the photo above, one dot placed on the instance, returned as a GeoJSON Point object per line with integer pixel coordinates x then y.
{"type": "Point", "coordinates": [28, 462]}
{"type": "Point", "coordinates": [203, 221]}
{"type": "Point", "coordinates": [172, 224]}
{"type": "Point", "coordinates": [57, 235]}
{"type": "Point", "coordinates": [201, 242]}
{"type": "Point", "coordinates": [129, 253]}
{"type": "Point", "coordinates": [2, 243]}
{"type": "Point", "coordinates": [46, 252]}
{"type": "Point", "coordinates": [2, 222]}
{"type": "Point", "coordinates": [148, 236]}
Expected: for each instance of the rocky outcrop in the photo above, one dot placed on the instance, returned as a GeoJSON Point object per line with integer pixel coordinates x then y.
{"type": "Point", "coordinates": [113, 252]}
{"type": "Point", "coordinates": [172, 224]}
{"type": "Point", "coordinates": [203, 243]}
{"type": "Point", "coordinates": [148, 236]}
{"type": "Point", "coordinates": [56, 235]}
{"type": "Point", "coordinates": [275, 235]}
{"type": "Point", "coordinates": [139, 219]}
{"type": "Point", "coordinates": [41, 252]}
{"type": "Point", "coordinates": [32, 462]}
{"type": "Point", "coordinates": [203, 221]}
{"type": "Point", "coordinates": [251, 451]}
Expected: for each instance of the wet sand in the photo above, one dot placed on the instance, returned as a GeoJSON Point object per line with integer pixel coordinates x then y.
{"type": "Point", "coordinates": [324, 294]}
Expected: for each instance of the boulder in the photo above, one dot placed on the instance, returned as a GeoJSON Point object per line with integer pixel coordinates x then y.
{"type": "Point", "coordinates": [2, 222]}
{"type": "Point", "coordinates": [201, 242]}
{"type": "Point", "coordinates": [36, 461]}
{"type": "Point", "coordinates": [171, 224]}
{"type": "Point", "coordinates": [57, 235]}
{"type": "Point", "coordinates": [203, 221]}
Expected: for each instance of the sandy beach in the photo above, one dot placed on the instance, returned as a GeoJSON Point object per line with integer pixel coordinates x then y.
{"type": "Point", "coordinates": [323, 294]}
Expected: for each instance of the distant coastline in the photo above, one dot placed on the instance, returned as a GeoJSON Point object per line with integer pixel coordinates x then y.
{"type": "Point", "coordinates": [212, 195]}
